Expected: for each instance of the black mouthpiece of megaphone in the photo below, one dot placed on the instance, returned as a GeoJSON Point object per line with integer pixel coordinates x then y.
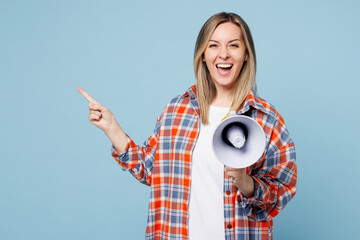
{"type": "Point", "coordinates": [235, 134]}
{"type": "Point", "coordinates": [238, 141]}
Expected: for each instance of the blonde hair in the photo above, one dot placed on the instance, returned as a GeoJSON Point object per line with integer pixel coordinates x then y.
{"type": "Point", "coordinates": [205, 88]}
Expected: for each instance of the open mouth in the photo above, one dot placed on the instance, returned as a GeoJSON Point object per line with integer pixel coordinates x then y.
{"type": "Point", "coordinates": [224, 68]}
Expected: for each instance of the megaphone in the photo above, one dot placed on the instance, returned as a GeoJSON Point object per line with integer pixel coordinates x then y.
{"type": "Point", "coordinates": [238, 141]}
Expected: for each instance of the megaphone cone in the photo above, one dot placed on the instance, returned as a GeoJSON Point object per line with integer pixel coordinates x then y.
{"type": "Point", "coordinates": [238, 141]}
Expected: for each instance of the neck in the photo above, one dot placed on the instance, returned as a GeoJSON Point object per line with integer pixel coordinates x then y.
{"type": "Point", "coordinates": [223, 98]}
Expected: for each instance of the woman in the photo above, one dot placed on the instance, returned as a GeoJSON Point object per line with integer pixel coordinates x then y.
{"type": "Point", "coordinates": [193, 196]}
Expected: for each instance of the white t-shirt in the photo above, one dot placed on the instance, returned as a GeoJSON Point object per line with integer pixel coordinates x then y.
{"type": "Point", "coordinates": [206, 205]}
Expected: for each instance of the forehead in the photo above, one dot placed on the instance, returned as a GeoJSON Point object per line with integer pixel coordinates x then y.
{"type": "Point", "coordinates": [226, 31]}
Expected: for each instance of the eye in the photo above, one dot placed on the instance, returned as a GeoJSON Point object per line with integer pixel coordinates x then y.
{"type": "Point", "coordinates": [235, 45]}
{"type": "Point", "coordinates": [212, 45]}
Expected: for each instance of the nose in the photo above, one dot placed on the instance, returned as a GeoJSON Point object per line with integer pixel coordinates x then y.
{"type": "Point", "coordinates": [223, 54]}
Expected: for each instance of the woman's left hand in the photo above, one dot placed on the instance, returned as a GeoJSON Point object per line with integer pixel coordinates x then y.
{"type": "Point", "coordinates": [243, 182]}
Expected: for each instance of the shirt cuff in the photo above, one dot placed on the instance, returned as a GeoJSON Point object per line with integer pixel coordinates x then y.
{"type": "Point", "coordinates": [116, 153]}
{"type": "Point", "coordinates": [255, 199]}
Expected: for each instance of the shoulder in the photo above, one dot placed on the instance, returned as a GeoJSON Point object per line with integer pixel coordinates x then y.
{"type": "Point", "coordinates": [182, 99]}
{"type": "Point", "coordinates": [180, 111]}
{"type": "Point", "coordinates": [278, 136]}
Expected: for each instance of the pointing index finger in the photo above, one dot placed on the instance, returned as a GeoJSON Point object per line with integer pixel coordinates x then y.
{"type": "Point", "coordinates": [87, 96]}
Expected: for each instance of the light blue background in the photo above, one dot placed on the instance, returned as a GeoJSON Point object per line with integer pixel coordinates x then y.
{"type": "Point", "coordinates": [57, 177]}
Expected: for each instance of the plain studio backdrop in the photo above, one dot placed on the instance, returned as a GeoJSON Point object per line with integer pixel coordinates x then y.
{"type": "Point", "coordinates": [57, 177]}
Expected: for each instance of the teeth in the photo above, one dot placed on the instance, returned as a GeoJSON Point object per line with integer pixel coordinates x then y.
{"type": "Point", "coordinates": [224, 65]}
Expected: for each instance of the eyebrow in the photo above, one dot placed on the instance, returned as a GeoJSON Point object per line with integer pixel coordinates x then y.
{"type": "Point", "coordinates": [229, 41]}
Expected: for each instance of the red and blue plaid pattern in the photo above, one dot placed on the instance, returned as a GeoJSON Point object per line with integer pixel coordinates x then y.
{"type": "Point", "coordinates": [164, 163]}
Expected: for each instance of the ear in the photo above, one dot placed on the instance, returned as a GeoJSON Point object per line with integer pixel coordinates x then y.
{"type": "Point", "coordinates": [246, 56]}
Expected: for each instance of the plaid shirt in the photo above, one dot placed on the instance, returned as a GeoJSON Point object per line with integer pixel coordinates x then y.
{"type": "Point", "coordinates": [164, 163]}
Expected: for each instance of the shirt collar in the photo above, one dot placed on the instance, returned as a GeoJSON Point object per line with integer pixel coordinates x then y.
{"type": "Point", "coordinates": [253, 101]}
{"type": "Point", "coordinates": [191, 92]}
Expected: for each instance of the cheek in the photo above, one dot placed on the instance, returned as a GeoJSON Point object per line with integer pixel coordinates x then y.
{"type": "Point", "coordinates": [241, 59]}
{"type": "Point", "coordinates": [209, 67]}
{"type": "Point", "coordinates": [209, 56]}
{"type": "Point", "coordinates": [209, 63]}
{"type": "Point", "coordinates": [240, 55]}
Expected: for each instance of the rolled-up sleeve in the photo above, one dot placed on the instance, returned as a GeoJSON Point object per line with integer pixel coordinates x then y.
{"type": "Point", "coordinates": [139, 159]}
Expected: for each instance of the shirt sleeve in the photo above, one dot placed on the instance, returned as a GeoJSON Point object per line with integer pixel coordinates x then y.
{"type": "Point", "coordinates": [139, 159]}
{"type": "Point", "coordinates": [275, 179]}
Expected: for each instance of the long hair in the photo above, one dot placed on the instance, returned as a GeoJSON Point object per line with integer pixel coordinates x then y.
{"type": "Point", "coordinates": [205, 87]}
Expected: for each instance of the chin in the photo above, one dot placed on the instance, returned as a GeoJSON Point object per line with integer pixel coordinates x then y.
{"type": "Point", "coordinates": [225, 84]}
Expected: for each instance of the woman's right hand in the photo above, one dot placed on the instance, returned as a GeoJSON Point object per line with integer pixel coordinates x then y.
{"type": "Point", "coordinates": [99, 115]}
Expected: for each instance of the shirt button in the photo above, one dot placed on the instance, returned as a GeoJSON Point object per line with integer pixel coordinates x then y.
{"type": "Point", "coordinates": [229, 226]}
{"type": "Point", "coordinates": [228, 192]}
